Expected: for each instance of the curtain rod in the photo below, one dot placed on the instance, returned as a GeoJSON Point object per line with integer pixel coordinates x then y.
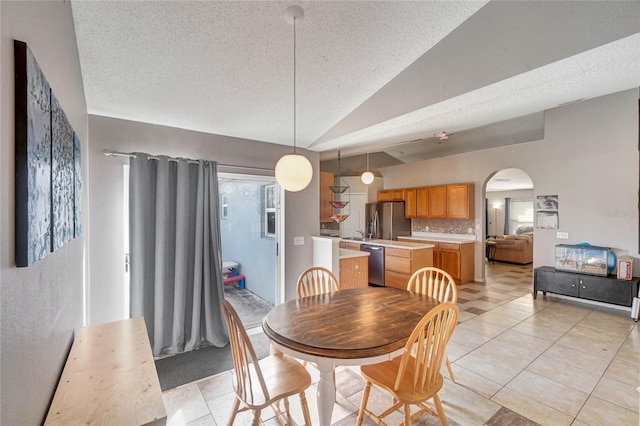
{"type": "Point", "coordinates": [112, 153]}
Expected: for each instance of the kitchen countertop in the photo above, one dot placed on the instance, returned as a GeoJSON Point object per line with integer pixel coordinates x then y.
{"type": "Point", "coordinates": [348, 253]}
{"type": "Point", "coordinates": [391, 243]}
{"type": "Point", "coordinates": [441, 239]}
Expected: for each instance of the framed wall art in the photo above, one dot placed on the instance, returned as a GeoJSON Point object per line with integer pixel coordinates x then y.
{"type": "Point", "coordinates": [47, 162]}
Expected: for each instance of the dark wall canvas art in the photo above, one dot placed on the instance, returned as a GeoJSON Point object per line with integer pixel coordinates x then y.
{"type": "Point", "coordinates": [47, 159]}
{"type": "Point", "coordinates": [77, 188]}
{"type": "Point", "coordinates": [62, 177]}
{"type": "Point", "coordinates": [33, 159]}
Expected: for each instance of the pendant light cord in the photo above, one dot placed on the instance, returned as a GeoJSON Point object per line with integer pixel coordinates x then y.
{"type": "Point", "coordinates": [294, 85]}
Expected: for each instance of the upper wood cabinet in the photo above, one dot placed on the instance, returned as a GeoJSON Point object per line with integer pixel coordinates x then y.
{"type": "Point", "coordinates": [438, 202]}
{"type": "Point", "coordinates": [391, 195]}
{"type": "Point", "coordinates": [422, 202]}
{"type": "Point", "coordinates": [435, 202]}
{"type": "Point", "coordinates": [460, 201]}
{"type": "Point", "coordinates": [410, 203]}
{"type": "Point", "coordinates": [326, 195]}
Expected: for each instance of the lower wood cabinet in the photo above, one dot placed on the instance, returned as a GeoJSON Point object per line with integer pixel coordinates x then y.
{"type": "Point", "coordinates": [607, 289]}
{"type": "Point", "coordinates": [400, 264]}
{"type": "Point", "coordinates": [354, 272]}
{"type": "Point", "coordinates": [349, 245]}
{"type": "Point", "coordinates": [455, 258]}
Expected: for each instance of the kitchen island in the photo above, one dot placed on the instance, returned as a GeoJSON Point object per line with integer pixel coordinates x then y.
{"type": "Point", "coordinates": [453, 254]}
{"type": "Point", "coordinates": [399, 261]}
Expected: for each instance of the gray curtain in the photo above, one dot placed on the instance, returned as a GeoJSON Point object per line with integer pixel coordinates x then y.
{"type": "Point", "coordinates": [507, 215]}
{"type": "Point", "coordinates": [175, 253]}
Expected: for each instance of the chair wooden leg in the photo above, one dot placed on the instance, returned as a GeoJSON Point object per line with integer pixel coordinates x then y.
{"type": "Point", "coordinates": [450, 371]}
{"type": "Point", "coordinates": [256, 418]}
{"type": "Point", "coordinates": [305, 409]}
{"type": "Point", "coordinates": [407, 415]}
{"type": "Point", "coordinates": [234, 411]}
{"type": "Point", "coordinates": [363, 403]}
{"type": "Point", "coordinates": [286, 405]}
{"type": "Point", "coordinates": [335, 388]}
{"type": "Point", "coordinates": [281, 418]}
{"type": "Point", "coordinates": [441, 416]}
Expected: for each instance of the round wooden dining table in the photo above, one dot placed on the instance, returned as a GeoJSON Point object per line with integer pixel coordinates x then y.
{"type": "Point", "coordinates": [349, 327]}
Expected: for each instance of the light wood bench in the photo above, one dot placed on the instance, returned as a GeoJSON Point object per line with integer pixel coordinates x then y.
{"type": "Point", "coordinates": [110, 378]}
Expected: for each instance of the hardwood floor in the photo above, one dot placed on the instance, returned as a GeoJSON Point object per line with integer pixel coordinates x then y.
{"type": "Point", "coordinates": [517, 361]}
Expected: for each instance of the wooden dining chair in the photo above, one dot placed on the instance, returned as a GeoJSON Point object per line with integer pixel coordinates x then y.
{"type": "Point", "coordinates": [316, 280]}
{"type": "Point", "coordinates": [412, 379]}
{"type": "Point", "coordinates": [262, 383]}
{"type": "Point", "coordinates": [438, 284]}
{"type": "Point", "coordinates": [313, 281]}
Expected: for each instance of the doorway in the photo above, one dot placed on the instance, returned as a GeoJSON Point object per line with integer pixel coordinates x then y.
{"type": "Point", "coordinates": [249, 235]}
{"type": "Point", "coordinates": [356, 220]}
{"type": "Point", "coordinates": [508, 219]}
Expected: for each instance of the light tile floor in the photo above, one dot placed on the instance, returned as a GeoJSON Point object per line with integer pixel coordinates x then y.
{"type": "Point", "coordinates": [516, 360]}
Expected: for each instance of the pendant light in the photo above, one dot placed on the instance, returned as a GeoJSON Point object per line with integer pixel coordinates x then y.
{"type": "Point", "coordinates": [367, 177]}
{"type": "Point", "coordinates": [294, 171]}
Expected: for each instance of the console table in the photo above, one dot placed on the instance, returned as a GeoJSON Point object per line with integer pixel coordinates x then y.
{"type": "Point", "coordinates": [109, 378]}
{"type": "Point", "coordinates": [607, 289]}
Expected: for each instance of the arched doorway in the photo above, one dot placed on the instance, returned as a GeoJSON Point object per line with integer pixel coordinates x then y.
{"type": "Point", "coordinates": [509, 218]}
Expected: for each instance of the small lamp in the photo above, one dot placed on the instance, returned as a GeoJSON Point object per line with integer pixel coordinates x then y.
{"type": "Point", "coordinates": [495, 206]}
{"type": "Point", "coordinates": [367, 177]}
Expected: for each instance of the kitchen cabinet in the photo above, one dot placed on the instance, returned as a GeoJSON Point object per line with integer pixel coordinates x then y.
{"type": "Point", "coordinates": [435, 202]}
{"type": "Point", "coordinates": [460, 201]}
{"type": "Point", "coordinates": [391, 195]}
{"type": "Point", "coordinates": [422, 202]}
{"type": "Point", "coordinates": [607, 289]}
{"type": "Point", "coordinates": [349, 245]}
{"type": "Point", "coordinates": [400, 264]}
{"type": "Point", "coordinates": [455, 258]}
{"type": "Point", "coordinates": [438, 202]}
{"type": "Point", "coordinates": [410, 203]}
{"type": "Point", "coordinates": [326, 195]}
{"type": "Point", "coordinates": [354, 272]}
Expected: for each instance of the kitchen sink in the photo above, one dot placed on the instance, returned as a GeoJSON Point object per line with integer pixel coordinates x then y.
{"type": "Point", "coordinates": [357, 239]}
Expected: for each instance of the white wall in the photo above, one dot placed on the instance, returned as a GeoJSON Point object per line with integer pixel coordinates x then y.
{"type": "Point", "coordinates": [106, 180]}
{"type": "Point", "coordinates": [41, 305]}
{"type": "Point", "coordinates": [589, 158]}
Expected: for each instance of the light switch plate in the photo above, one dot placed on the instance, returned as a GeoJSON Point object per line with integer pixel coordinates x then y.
{"type": "Point", "coordinates": [562, 235]}
{"type": "Point", "coordinates": [298, 241]}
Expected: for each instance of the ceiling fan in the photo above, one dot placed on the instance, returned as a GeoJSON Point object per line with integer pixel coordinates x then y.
{"type": "Point", "coordinates": [442, 136]}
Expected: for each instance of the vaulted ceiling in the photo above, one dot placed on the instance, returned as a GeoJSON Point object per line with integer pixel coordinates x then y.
{"type": "Point", "coordinates": [377, 76]}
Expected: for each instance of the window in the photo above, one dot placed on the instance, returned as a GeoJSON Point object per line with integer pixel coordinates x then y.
{"type": "Point", "coordinates": [224, 206]}
{"type": "Point", "coordinates": [270, 210]}
{"type": "Point", "coordinates": [521, 216]}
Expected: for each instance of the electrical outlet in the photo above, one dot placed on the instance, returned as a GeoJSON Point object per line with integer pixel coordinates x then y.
{"type": "Point", "coordinates": [298, 241]}
{"type": "Point", "coordinates": [562, 235]}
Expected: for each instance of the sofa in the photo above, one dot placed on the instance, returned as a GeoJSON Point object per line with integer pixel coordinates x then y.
{"type": "Point", "coordinates": [513, 248]}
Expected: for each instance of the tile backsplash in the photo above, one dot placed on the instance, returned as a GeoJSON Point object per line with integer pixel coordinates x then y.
{"type": "Point", "coordinates": [444, 226]}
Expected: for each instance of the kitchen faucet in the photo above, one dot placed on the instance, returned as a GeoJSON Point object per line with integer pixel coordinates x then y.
{"type": "Point", "coordinates": [361, 233]}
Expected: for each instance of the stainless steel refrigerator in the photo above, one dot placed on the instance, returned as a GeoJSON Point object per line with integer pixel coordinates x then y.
{"type": "Point", "coordinates": [386, 220]}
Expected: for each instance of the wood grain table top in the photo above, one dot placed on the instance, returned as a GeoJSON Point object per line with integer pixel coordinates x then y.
{"type": "Point", "coordinates": [348, 324]}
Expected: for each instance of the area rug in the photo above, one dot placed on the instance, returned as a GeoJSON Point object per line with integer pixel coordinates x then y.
{"type": "Point", "coordinates": [177, 370]}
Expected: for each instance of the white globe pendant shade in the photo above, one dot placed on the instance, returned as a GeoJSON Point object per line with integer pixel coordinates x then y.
{"type": "Point", "coordinates": [294, 172]}
{"type": "Point", "coordinates": [367, 177]}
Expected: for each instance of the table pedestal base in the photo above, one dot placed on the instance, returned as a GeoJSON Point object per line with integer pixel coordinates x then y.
{"type": "Point", "coordinates": [326, 392]}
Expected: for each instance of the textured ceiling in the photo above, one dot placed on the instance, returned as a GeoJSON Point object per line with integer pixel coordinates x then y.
{"type": "Point", "coordinates": [371, 76]}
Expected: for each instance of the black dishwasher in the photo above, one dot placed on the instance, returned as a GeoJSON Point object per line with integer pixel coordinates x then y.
{"type": "Point", "coordinates": [376, 264]}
